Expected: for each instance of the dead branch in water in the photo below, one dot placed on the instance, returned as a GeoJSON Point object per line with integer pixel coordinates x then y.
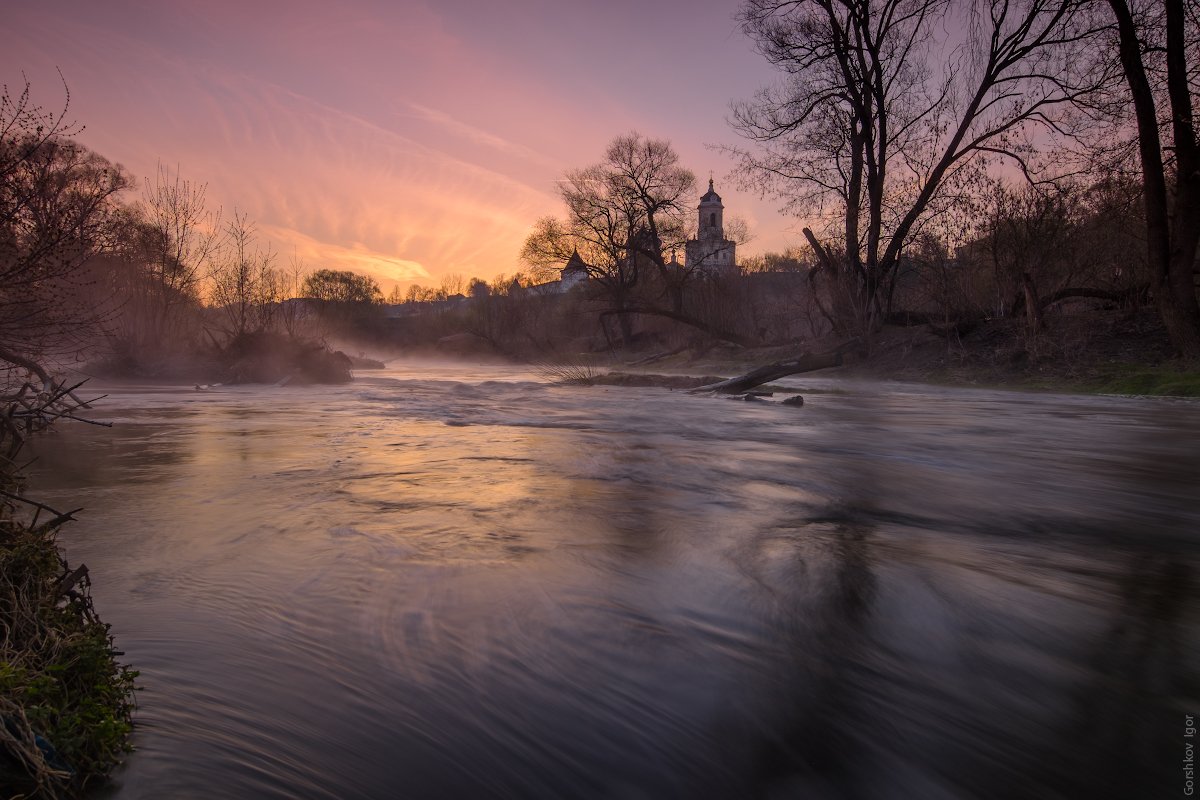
{"type": "Point", "coordinates": [27, 407]}
{"type": "Point", "coordinates": [806, 362]}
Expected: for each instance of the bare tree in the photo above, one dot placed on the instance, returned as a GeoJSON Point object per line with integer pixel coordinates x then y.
{"type": "Point", "coordinates": [245, 287]}
{"type": "Point", "coordinates": [1030, 238]}
{"type": "Point", "coordinates": [451, 285]}
{"type": "Point", "coordinates": [622, 213]}
{"type": "Point", "coordinates": [646, 180]}
{"type": "Point", "coordinates": [292, 309]}
{"type": "Point", "coordinates": [57, 210]}
{"type": "Point", "coordinates": [883, 117]}
{"type": "Point", "coordinates": [182, 237]}
{"type": "Point", "coordinates": [1155, 39]}
{"type": "Point", "coordinates": [600, 234]}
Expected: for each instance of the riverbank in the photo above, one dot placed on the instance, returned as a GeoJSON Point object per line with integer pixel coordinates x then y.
{"type": "Point", "coordinates": [66, 703]}
{"type": "Point", "coordinates": [1096, 353]}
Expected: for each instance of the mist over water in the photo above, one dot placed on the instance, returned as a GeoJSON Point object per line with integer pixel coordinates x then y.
{"type": "Point", "coordinates": [462, 582]}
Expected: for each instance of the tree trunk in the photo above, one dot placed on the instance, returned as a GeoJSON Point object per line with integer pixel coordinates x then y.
{"type": "Point", "coordinates": [807, 362]}
{"type": "Point", "coordinates": [625, 323]}
{"type": "Point", "coordinates": [1170, 267]}
{"type": "Point", "coordinates": [1033, 309]}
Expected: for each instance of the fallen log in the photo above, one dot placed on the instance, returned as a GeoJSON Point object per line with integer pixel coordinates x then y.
{"type": "Point", "coordinates": [807, 362]}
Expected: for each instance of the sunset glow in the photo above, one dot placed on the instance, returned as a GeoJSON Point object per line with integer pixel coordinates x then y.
{"type": "Point", "coordinates": [406, 141]}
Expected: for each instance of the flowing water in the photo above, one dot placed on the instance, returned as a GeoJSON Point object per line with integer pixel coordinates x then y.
{"type": "Point", "coordinates": [444, 582]}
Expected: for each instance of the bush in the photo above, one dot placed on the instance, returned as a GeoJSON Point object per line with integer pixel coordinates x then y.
{"type": "Point", "coordinates": [65, 702]}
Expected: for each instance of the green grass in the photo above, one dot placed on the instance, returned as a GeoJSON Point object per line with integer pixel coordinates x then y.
{"type": "Point", "coordinates": [1166, 381]}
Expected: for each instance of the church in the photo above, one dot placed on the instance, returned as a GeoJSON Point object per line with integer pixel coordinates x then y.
{"type": "Point", "coordinates": [710, 253]}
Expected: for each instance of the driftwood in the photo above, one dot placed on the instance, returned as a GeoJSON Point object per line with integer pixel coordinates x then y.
{"type": "Point", "coordinates": [73, 577]}
{"type": "Point", "coordinates": [807, 362]}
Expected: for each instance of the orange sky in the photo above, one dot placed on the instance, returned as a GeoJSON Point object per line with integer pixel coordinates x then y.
{"type": "Point", "coordinates": [405, 140]}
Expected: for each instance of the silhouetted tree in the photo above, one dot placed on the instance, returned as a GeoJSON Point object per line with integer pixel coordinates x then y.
{"type": "Point", "coordinates": [344, 298]}
{"type": "Point", "coordinates": [621, 215]}
{"type": "Point", "coordinates": [1154, 39]}
{"type": "Point", "coordinates": [882, 119]}
{"type": "Point", "coordinates": [245, 287]}
{"type": "Point", "coordinates": [341, 286]}
{"type": "Point", "coordinates": [181, 236]}
{"type": "Point", "coordinates": [57, 210]}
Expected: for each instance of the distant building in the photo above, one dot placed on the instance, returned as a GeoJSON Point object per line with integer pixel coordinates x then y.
{"type": "Point", "coordinates": [574, 273]}
{"type": "Point", "coordinates": [710, 252]}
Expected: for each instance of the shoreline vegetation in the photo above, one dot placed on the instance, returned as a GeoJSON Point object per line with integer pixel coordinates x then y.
{"type": "Point", "coordinates": [66, 702]}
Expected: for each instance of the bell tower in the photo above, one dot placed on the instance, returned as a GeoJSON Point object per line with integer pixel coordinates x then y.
{"type": "Point", "coordinates": [712, 210]}
{"type": "Point", "coordinates": [710, 252]}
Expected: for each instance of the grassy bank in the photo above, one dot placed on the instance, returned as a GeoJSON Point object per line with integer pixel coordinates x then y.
{"type": "Point", "coordinates": [1168, 380]}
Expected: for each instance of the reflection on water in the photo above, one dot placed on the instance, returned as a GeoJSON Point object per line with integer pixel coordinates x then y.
{"type": "Point", "coordinates": [470, 584]}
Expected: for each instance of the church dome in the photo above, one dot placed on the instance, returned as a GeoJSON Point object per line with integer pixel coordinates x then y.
{"type": "Point", "coordinates": [710, 196]}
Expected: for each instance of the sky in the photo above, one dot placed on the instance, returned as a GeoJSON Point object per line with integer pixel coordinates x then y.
{"type": "Point", "coordinates": [404, 140]}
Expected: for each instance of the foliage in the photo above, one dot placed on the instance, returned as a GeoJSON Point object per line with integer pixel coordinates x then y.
{"type": "Point", "coordinates": [59, 680]}
{"type": "Point", "coordinates": [65, 702]}
{"type": "Point", "coordinates": [341, 286]}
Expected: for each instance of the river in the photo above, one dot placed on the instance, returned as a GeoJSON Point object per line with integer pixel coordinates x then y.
{"type": "Point", "coordinates": [454, 581]}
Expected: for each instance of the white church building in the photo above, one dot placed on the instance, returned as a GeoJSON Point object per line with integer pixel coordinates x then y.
{"type": "Point", "coordinates": [710, 252]}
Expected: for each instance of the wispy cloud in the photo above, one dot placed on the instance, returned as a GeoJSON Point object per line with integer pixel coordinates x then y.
{"type": "Point", "coordinates": [345, 181]}
{"type": "Point", "coordinates": [405, 135]}
{"type": "Point", "coordinates": [475, 135]}
{"type": "Point", "coordinates": [312, 254]}
{"type": "Point", "coordinates": [341, 190]}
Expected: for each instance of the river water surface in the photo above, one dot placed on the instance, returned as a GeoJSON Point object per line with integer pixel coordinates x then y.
{"type": "Point", "coordinates": [444, 582]}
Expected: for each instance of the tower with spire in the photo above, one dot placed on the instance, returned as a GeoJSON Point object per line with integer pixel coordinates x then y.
{"type": "Point", "coordinates": [574, 273]}
{"type": "Point", "coordinates": [710, 252]}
